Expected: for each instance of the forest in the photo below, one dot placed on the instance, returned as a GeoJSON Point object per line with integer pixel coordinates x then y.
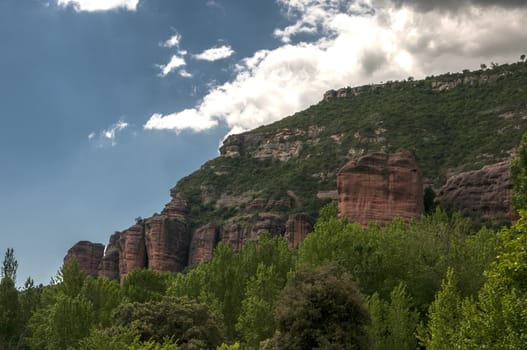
{"type": "Point", "coordinates": [440, 282]}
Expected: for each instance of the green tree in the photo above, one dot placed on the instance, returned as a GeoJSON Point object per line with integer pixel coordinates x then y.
{"type": "Point", "coordinates": [142, 285]}
{"type": "Point", "coordinates": [9, 265]}
{"type": "Point", "coordinates": [393, 323]}
{"type": "Point", "coordinates": [104, 295]}
{"type": "Point", "coordinates": [9, 314]}
{"type": "Point", "coordinates": [191, 323]}
{"type": "Point", "coordinates": [256, 321]}
{"type": "Point", "coordinates": [519, 176]}
{"type": "Point", "coordinates": [444, 316]}
{"type": "Point", "coordinates": [64, 315]}
{"type": "Point", "coordinates": [496, 319]}
{"type": "Point", "coordinates": [320, 308]}
{"type": "Point", "coordinates": [9, 303]}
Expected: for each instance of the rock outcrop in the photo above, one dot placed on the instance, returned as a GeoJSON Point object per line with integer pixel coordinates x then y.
{"type": "Point", "coordinates": [109, 266]}
{"type": "Point", "coordinates": [88, 254]}
{"type": "Point", "coordinates": [167, 242]}
{"type": "Point", "coordinates": [379, 187]}
{"type": "Point", "coordinates": [132, 252]}
{"type": "Point", "coordinates": [202, 245]}
{"type": "Point", "coordinates": [487, 190]}
{"type": "Point", "coordinates": [297, 227]}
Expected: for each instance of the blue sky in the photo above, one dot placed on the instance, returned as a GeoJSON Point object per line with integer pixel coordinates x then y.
{"type": "Point", "coordinates": [106, 104]}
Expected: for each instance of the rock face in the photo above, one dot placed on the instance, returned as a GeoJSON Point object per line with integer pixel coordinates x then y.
{"type": "Point", "coordinates": [297, 227]}
{"type": "Point", "coordinates": [237, 234]}
{"type": "Point", "coordinates": [88, 254]}
{"type": "Point", "coordinates": [379, 187]}
{"type": "Point", "coordinates": [132, 252]}
{"type": "Point", "coordinates": [109, 266]}
{"type": "Point", "coordinates": [487, 190]}
{"type": "Point", "coordinates": [167, 242]}
{"type": "Point", "coordinates": [202, 244]}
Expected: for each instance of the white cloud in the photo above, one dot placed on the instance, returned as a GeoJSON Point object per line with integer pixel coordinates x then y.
{"type": "Point", "coordinates": [187, 119]}
{"type": "Point", "coordinates": [351, 45]}
{"type": "Point", "coordinates": [174, 63]}
{"type": "Point", "coordinates": [183, 73]}
{"type": "Point", "coordinates": [173, 41]}
{"type": "Point", "coordinates": [215, 53]}
{"type": "Point", "coordinates": [108, 137]}
{"type": "Point", "coordinates": [99, 5]}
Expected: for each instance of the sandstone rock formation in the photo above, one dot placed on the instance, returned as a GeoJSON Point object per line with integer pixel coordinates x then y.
{"type": "Point", "coordinates": [379, 187]}
{"type": "Point", "coordinates": [202, 245]}
{"type": "Point", "coordinates": [238, 233]}
{"type": "Point", "coordinates": [487, 190]}
{"type": "Point", "coordinates": [88, 254]}
{"type": "Point", "coordinates": [132, 252]}
{"type": "Point", "coordinates": [167, 242]}
{"type": "Point", "coordinates": [297, 227]}
{"type": "Point", "coordinates": [109, 266]}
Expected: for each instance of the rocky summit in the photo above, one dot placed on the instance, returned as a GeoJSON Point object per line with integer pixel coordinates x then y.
{"type": "Point", "coordinates": [375, 149]}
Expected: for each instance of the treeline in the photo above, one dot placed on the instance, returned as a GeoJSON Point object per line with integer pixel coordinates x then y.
{"type": "Point", "coordinates": [436, 283]}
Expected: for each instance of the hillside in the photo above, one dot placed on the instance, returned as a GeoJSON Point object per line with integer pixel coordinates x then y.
{"type": "Point", "coordinates": [452, 123]}
{"type": "Point", "coordinates": [276, 178]}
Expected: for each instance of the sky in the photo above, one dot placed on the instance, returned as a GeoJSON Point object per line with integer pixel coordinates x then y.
{"type": "Point", "coordinates": [106, 104]}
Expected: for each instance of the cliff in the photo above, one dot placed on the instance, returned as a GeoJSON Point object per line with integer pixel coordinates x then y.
{"type": "Point", "coordinates": [276, 178]}
{"type": "Point", "coordinates": [379, 187]}
{"type": "Point", "coordinates": [486, 191]}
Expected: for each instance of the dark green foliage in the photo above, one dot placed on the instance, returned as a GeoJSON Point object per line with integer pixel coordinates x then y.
{"type": "Point", "coordinates": [9, 314]}
{"type": "Point", "coordinates": [320, 308]}
{"type": "Point", "coordinates": [70, 308]}
{"type": "Point", "coordinates": [10, 317]}
{"type": "Point", "coordinates": [519, 176]}
{"type": "Point", "coordinates": [9, 265]}
{"type": "Point", "coordinates": [223, 282]}
{"type": "Point", "coordinates": [142, 285]}
{"type": "Point", "coordinates": [417, 253]}
{"type": "Point", "coordinates": [123, 339]}
{"type": "Point", "coordinates": [393, 323]}
{"type": "Point", "coordinates": [496, 319]}
{"type": "Point", "coordinates": [444, 316]}
{"type": "Point", "coordinates": [190, 323]}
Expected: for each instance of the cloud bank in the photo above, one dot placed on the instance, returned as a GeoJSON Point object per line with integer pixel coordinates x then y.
{"type": "Point", "coordinates": [349, 44]}
{"type": "Point", "coordinates": [99, 5]}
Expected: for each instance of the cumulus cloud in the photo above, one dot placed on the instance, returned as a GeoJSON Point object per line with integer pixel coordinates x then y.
{"type": "Point", "coordinates": [108, 137]}
{"type": "Point", "coordinates": [215, 53]}
{"type": "Point", "coordinates": [174, 63]}
{"type": "Point", "coordinates": [350, 43]}
{"type": "Point", "coordinates": [187, 119]}
{"type": "Point", "coordinates": [453, 5]}
{"type": "Point", "coordinates": [99, 5]}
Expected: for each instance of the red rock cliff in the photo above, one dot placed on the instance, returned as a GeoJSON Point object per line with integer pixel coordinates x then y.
{"type": "Point", "coordinates": [88, 254]}
{"type": "Point", "coordinates": [132, 252]}
{"type": "Point", "coordinates": [379, 187]}
{"type": "Point", "coordinates": [487, 190]}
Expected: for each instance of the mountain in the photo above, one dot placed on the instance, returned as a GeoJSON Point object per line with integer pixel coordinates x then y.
{"type": "Point", "coordinates": [461, 129]}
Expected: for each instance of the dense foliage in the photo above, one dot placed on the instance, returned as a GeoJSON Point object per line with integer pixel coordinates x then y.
{"type": "Point", "coordinates": [345, 287]}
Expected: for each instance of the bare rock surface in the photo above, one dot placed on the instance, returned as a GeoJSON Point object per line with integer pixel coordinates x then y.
{"type": "Point", "coordinates": [379, 187]}
{"type": "Point", "coordinates": [88, 254]}
{"type": "Point", "coordinates": [487, 190]}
